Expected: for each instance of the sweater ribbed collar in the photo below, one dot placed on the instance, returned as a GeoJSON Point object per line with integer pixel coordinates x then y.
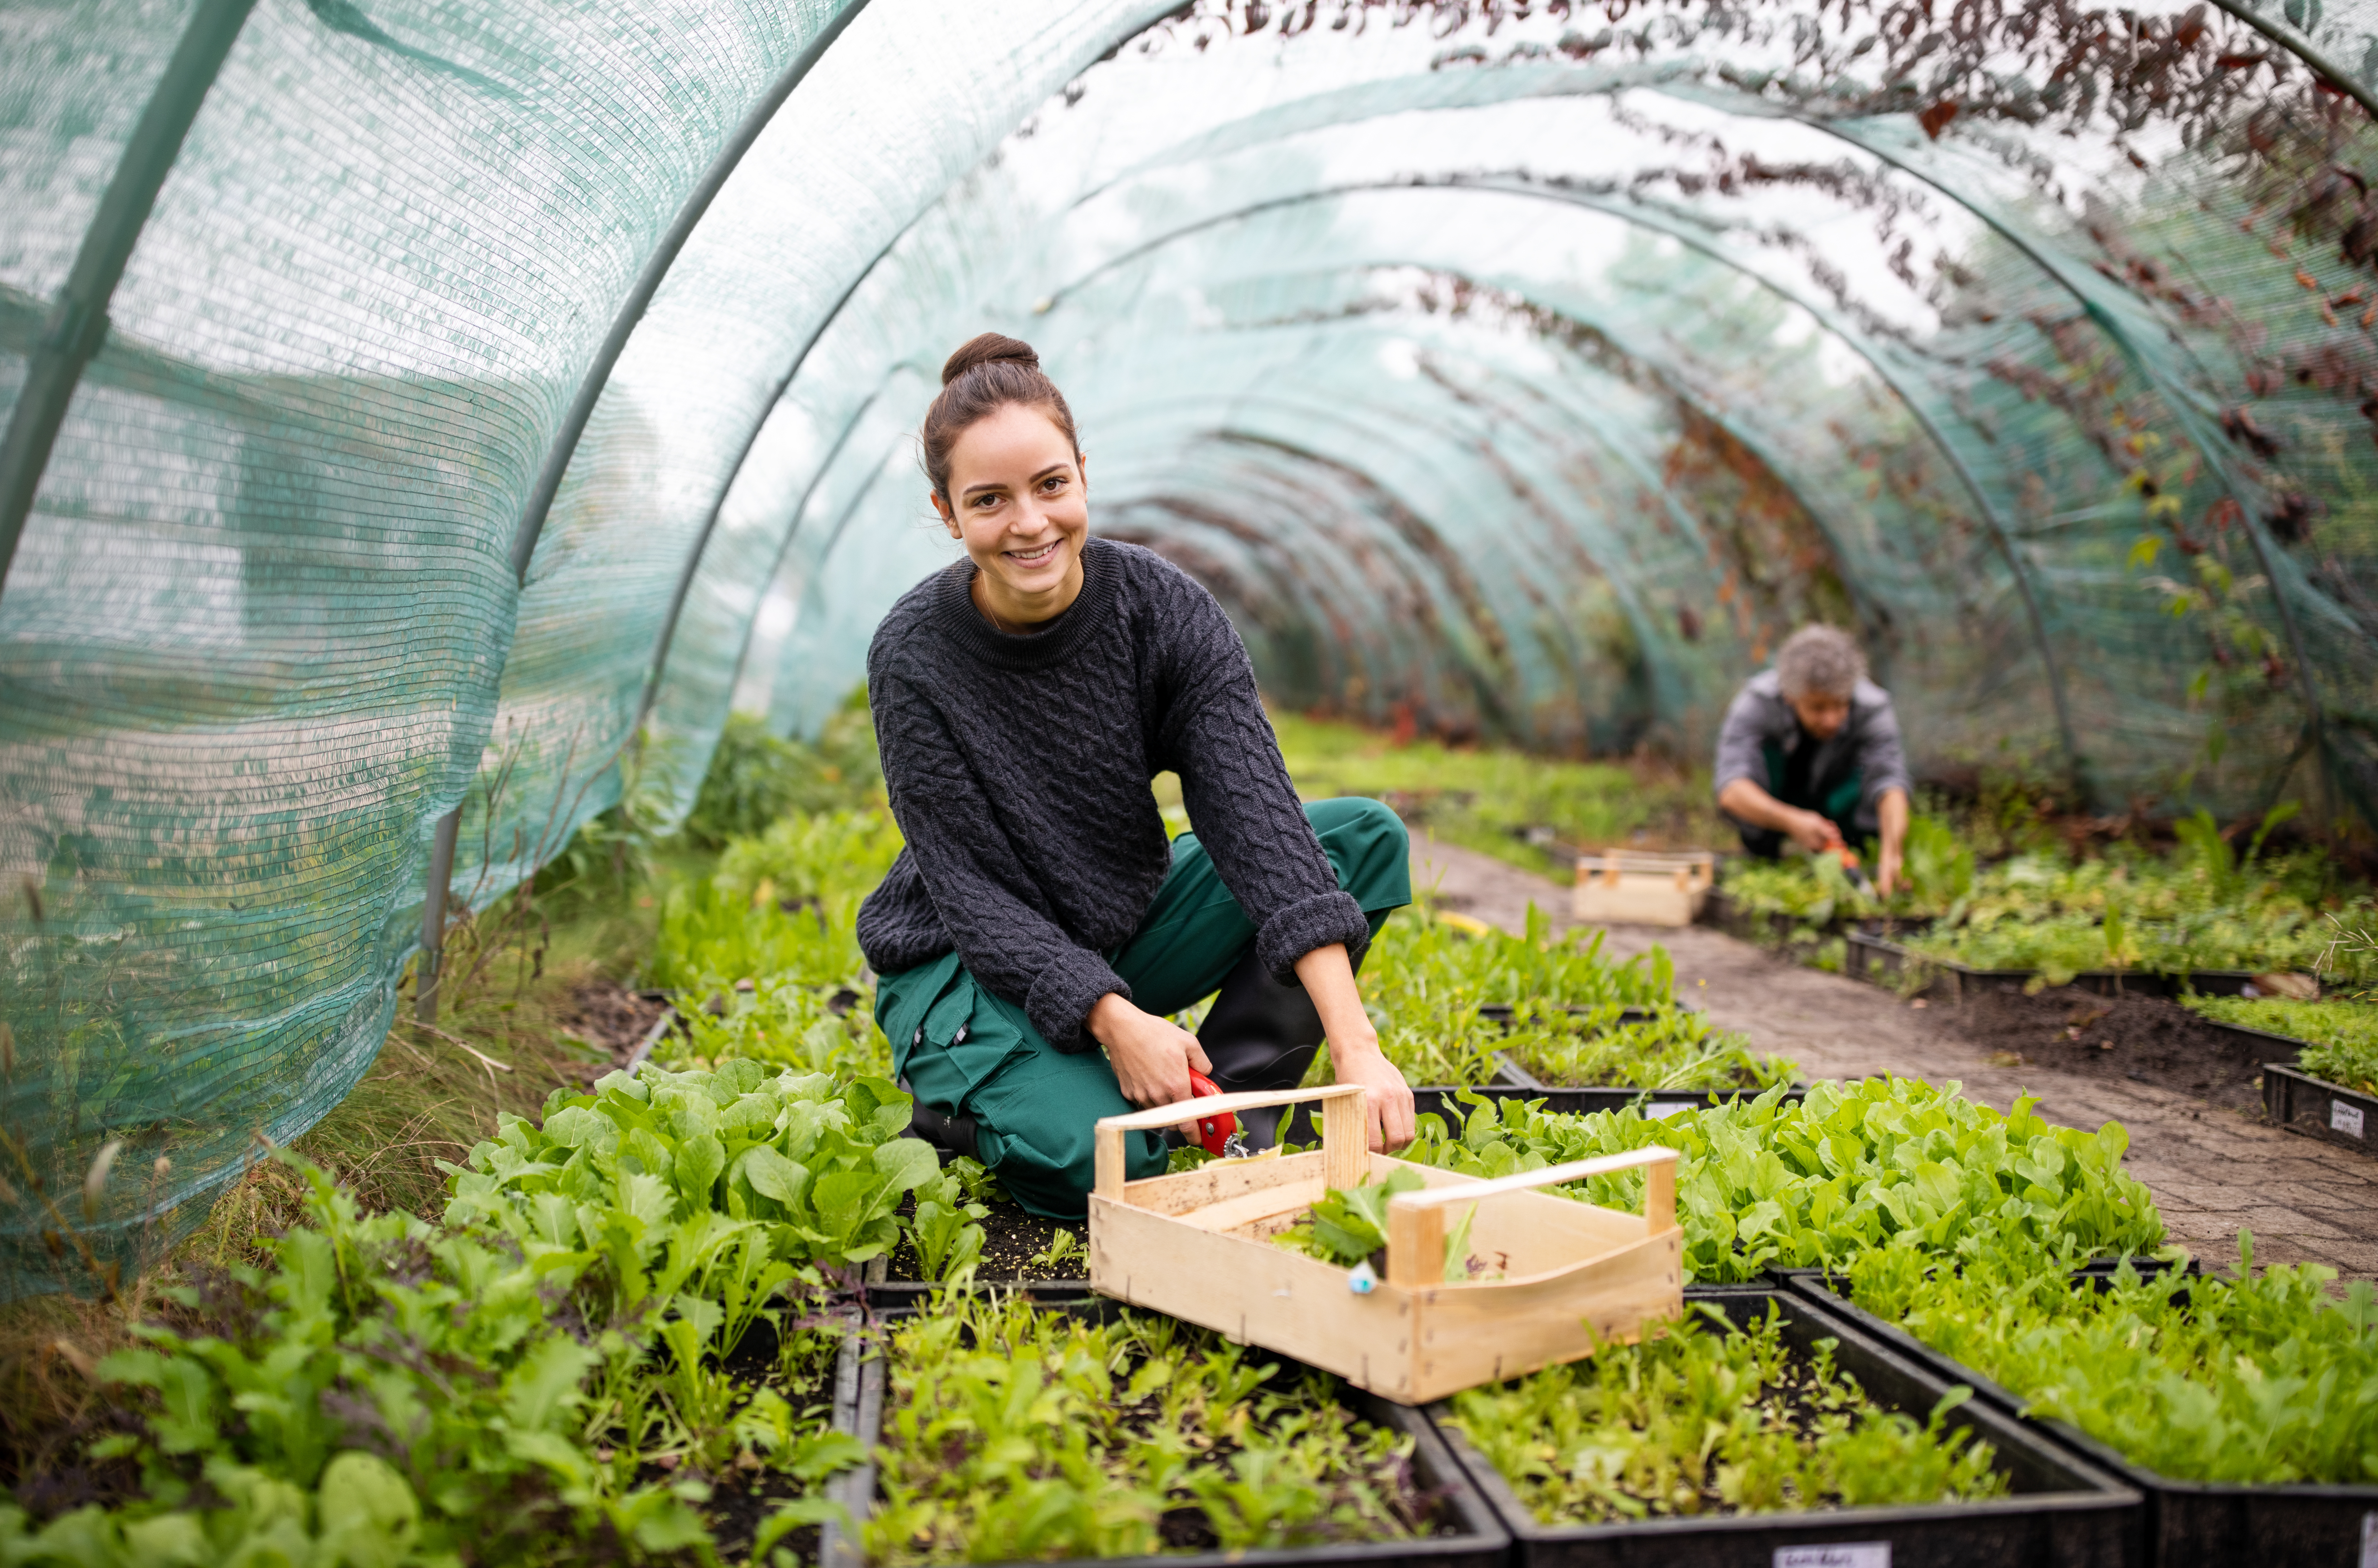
{"type": "Point", "coordinates": [955, 613]}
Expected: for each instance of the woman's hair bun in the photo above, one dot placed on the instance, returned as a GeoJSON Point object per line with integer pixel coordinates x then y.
{"type": "Point", "coordinates": [989, 348]}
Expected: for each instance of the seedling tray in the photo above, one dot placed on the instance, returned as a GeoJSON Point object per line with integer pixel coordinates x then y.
{"type": "Point", "coordinates": [2066, 1510]}
{"type": "Point", "coordinates": [2294, 1099]}
{"type": "Point", "coordinates": [2186, 1523]}
{"type": "Point", "coordinates": [1881, 960]}
{"type": "Point", "coordinates": [1198, 1246]}
{"type": "Point", "coordinates": [1502, 1012]}
{"type": "Point", "coordinates": [1476, 1538]}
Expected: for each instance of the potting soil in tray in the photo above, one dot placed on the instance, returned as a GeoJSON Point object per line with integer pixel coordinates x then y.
{"type": "Point", "coordinates": [1004, 1431]}
{"type": "Point", "coordinates": [764, 1454]}
{"type": "Point", "coordinates": [1016, 1245]}
{"type": "Point", "coordinates": [1764, 1430]}
{"type": "Point", "coordinates": [2239, 1404]}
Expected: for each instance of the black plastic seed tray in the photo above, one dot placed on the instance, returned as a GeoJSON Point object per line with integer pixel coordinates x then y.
{"type": "Point", "coordinates": [1471, 1536]}
{"type": "Point", "coordinates": [1878, 959]}
{"type": "Point", "coordinates": [2294, 1099]}
{"type": "Point", "coordinates": [2187, 1523]}
{"type": "Point", "coordinates": [1502, 1012]}
{"type": "Point", "coordinates": [2066, 1511]}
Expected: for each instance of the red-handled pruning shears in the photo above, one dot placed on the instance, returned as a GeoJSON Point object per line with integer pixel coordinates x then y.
{"type": "Point", "coordinates": [1849, 859]}
{"type": "Point", "coordinates": [1218, 1134]}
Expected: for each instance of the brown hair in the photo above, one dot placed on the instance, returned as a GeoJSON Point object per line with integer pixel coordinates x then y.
{"type": "Point", "coordinates": [985, 376]}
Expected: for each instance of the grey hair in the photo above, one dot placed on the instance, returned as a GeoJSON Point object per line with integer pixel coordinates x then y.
{"type": "Point", "coordinates": [1819, 660]}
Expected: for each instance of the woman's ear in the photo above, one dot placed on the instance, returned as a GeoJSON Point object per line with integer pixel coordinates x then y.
{"type": "Point", "coordinates": [942, 506]}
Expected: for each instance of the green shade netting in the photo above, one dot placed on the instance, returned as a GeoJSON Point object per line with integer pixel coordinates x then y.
{"type": "Point", "coordinates": [1527, 377]}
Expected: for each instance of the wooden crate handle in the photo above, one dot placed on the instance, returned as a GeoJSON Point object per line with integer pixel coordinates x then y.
{"type": "Point", "coordinates": [1416, 1220]}
{"type": "Point", "coordinates": [1345, 1157]}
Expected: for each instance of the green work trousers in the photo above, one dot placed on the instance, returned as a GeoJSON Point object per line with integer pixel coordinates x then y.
{"type": "Point", "coordinates": [967, 1052]}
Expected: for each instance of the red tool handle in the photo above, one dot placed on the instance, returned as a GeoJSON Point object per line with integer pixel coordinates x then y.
{"type": "Point", "coordinates": [1213, 1132]}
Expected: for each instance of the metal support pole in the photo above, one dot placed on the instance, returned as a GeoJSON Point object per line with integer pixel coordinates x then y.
{"type": "Point", "coordinates": [433, 916]}
{"type": "Point", "coordinates": [78, 323]}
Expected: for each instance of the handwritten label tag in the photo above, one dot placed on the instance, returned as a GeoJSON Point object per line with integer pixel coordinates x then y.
{"type": "Point", "coordinates": [2345, 1118]}
{"type": "Point", "coordinates": [1858, 1554]}
{"type": "Point", "coordinates": [1667, 1110]}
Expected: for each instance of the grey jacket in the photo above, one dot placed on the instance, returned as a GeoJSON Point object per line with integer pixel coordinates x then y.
{"type": "Point", "coordinates": [1759, 717]}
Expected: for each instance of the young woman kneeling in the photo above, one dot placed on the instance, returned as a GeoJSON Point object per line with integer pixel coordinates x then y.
{"type": "Point", "coordinates": [1025, 696]}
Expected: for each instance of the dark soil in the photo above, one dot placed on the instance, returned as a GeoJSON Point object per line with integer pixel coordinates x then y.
{"type": "Point", "coordinates": [1012, 1239]}
{"type": "Point", "coordinates": [736, 1514]}
{"type": "Point", "coordinates": [741, 1500]}
{"type": "Point", "coordinates": [2146, 1039]}
{"type": "Point", "coordinates": [611, 1016]}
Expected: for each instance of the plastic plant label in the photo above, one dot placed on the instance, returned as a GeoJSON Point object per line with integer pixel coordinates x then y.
{"type": "Point", "coordinates": [1668, 1110]}
{"type": "Point", "coordinates": [2345, 1118]}
{"type": "Point", "coordinates": [1872, 1554]}
{"type": "Point", "coordinates": [2370, 1540]}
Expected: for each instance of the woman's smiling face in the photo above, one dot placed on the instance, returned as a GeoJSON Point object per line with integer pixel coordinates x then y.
{"type": "Point", "coordinates": [1018, 502]}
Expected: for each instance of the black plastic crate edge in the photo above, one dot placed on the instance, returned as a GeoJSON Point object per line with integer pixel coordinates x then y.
{"type": "Point", "coordinates": [1481, 1541]}
{"type": "Point", "coordinates": [1883, 956]}
{"type": "Point", "coordinates": [1574, 1546]}
{"type": "Point", "coordinates": [2160, 1490]}
{"type": "Point", "coordinates": [2286, 1088]}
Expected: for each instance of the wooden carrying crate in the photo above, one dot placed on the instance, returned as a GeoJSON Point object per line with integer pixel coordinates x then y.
{"type": "Point", "coordinates": [1198, 1246]}
{"type": "Point", "coordinates": [1630, 887]}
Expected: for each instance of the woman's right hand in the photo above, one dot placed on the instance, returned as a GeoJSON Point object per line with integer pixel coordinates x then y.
{"type": "Point", "coordinates": [1151, 1056]}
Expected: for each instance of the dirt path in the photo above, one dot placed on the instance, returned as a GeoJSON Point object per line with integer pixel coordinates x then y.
{"type": "Point", "coordinates": [2213, 1170]}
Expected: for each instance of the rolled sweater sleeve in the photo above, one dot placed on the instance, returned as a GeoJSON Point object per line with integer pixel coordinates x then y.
{"type": "Point", "coordinates": [1239, 797]}
{"type": "Point", "coordinates": [961, 850]}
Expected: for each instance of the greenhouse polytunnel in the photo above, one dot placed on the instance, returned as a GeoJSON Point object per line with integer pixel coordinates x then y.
{"type": "Point", "coordinates": [428, 419]}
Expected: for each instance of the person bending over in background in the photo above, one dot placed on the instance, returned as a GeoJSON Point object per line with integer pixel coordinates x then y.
{"type": "Point", "coordinates": [1025, 696]}
{"type": "Point", "coordinates": [1810, 752]}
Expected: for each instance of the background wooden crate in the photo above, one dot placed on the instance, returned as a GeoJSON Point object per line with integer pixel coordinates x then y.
{"type": "Point", "coordinates": [1626, 887]}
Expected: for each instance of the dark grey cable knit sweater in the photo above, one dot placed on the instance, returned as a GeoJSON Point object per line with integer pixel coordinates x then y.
{"type": "Point", "coordinates": [1019, 766]}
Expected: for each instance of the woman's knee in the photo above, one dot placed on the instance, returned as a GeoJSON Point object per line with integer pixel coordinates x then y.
{"type": "Point", "coordinates": [1368, 846]}
{"type": "Point", "coordinates": [1050, 1167]}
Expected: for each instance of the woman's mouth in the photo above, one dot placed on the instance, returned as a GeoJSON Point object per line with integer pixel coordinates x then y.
{"type": "Point", "coordinates": [1039, 555]}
